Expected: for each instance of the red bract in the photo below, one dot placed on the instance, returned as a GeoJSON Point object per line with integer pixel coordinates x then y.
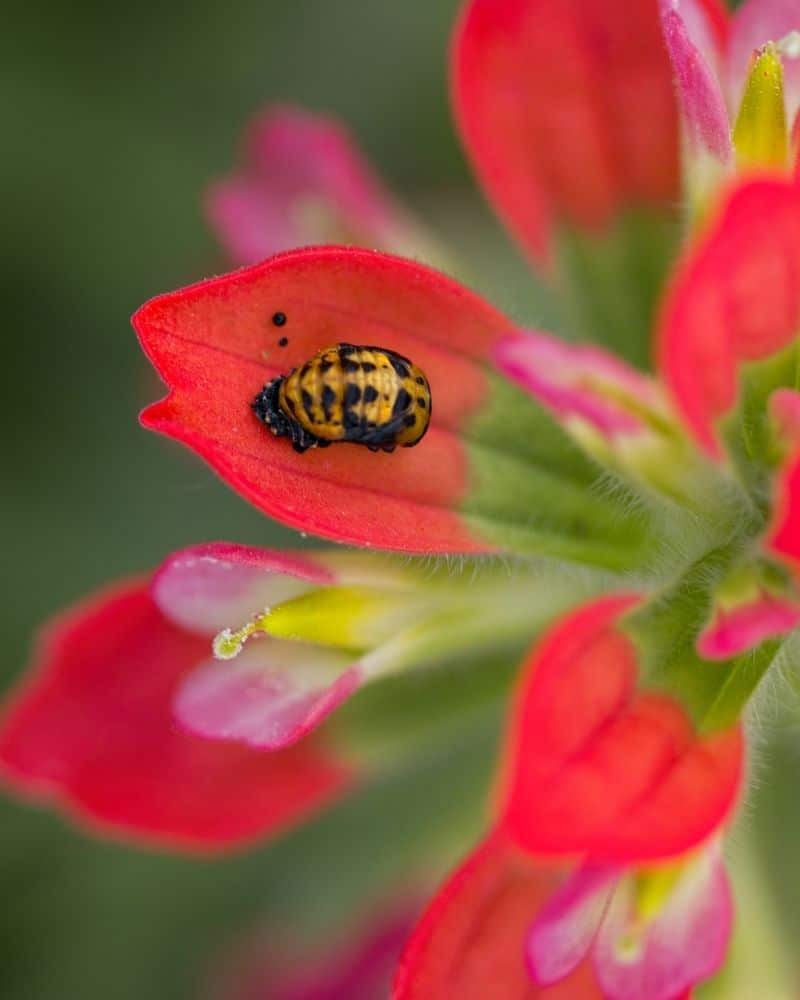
{"type": "Point", "coordinates": [783, 537]}
{"type": "Point", "coordinates": [596, 771]}
{"type": "Point", "coordinates": [470, 943]}
{"type": "Point", "coordinates": [597, 767]}
{"type": "Point", "coordinates": [566, 109]}
{"type": "Point", "coordinates": [214, 344]}
{"type": "Point", "coordinates": [736, 298]}
{"type": "Point", "coordinates": [92, 731]}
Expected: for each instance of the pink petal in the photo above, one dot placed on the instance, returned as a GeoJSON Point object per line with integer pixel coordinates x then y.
{"type": "Point", "coordinates": [753, 24]}
{"type": "Point", "coordinates": [302, 181]}
{"type": "Point", "coordinates": [692, 51]}
{"type": "Point", "coordinates": [470, 942]}
{"type": "Point", "coordinates": [735, 630]}
{"type": "Point", "coordinates": [562, 933]}
{"type": "Point", "coordinates": [784, 532]}
{"type": "Point", "coordinates": [91, 731]}
{"type": "Point", "coordinates": [684, 945]}
{"type": "Point", "coordinates": [576, 381]}
{"type": "Point", "coordinates": [207, 588]}
{"type": "Point", "coordinates": [270, 696]}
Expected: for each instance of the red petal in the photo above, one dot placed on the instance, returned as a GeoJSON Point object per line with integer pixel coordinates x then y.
{"type": "Point", "coordinates": [215, 346]}
{"type": "Point", "coordinates": [566, 110]}
{"type": "Point", "coordinates": [598, 768]}
{"type": "Point", "coordinates": [735, 298]}
{"type": "Point", "coordinates": [784, 535]}
{"type": "Point", "coordinates": [92, 731]}
{"type": "Point", "coordinates": [470, 942]}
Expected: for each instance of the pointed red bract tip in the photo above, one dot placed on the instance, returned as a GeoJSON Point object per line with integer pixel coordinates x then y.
{"type": "Point", "coordinates": [92, 732]}
{"type": "Point", "coordinates": [735, 298]}
{"type": "Point", "coordinates": [470, 943]}
{"type": "Point", "coordinates": [566, 110]}
{"type": "Point", "coordinates": [215, 346]}
{"type": "Point", "coordinates": [596, 767]}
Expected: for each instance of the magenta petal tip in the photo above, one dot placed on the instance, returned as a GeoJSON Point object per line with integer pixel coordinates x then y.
{"type": "Point", "coordinates": [690, 48]}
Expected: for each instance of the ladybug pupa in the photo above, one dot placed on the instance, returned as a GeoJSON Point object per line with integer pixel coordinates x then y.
{"type": "Point", "coordinates": [370, 396]}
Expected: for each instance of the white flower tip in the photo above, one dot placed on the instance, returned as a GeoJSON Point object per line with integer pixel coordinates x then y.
{"type": "Point", "coordinates": [789, 45]}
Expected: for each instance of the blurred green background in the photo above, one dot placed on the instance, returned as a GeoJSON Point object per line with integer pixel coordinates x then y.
{"type": "Point", "coordinates": [115, 118]}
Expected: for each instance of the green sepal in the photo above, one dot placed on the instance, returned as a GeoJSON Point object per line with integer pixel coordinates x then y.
{"type": "Point", "coordinates": [665, 632]}
{"type": "Point", "coordinates": [533, 490]}
{"type": "Point", "coordinates": [395, 717]}
{"type": "Point", "coordinates": [454, 666]}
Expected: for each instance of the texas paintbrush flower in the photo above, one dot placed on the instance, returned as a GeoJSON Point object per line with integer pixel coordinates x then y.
{"type": "Point", "coordinates": [593, 872]}
{"type": "Point", "coordinates": [92, 730]}
{"type": "Point", "coordinates": [294, 636]}
{"type": "Point", "coordinates": [178, 681]}
{"type": "Point", "coordinates": [553, 471]}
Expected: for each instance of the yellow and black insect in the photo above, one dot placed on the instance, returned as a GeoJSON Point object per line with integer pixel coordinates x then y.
{"type": "Point", "coordinates": [364, 395]}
